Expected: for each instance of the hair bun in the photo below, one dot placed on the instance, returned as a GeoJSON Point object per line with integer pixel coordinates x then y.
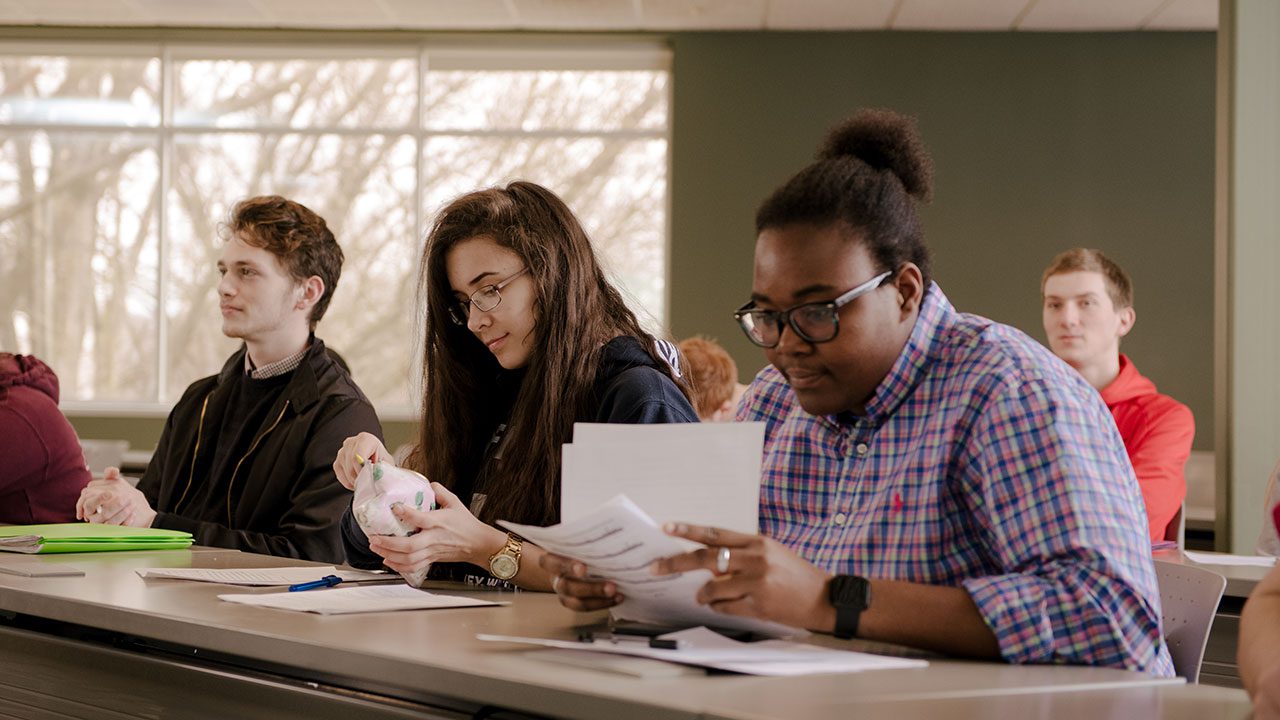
{"type": "Point", "coordinates": [884, 140]}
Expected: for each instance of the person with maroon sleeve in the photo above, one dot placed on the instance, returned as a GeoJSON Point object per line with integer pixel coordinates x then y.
{"type": "Point", "coordinates": [43, 465]}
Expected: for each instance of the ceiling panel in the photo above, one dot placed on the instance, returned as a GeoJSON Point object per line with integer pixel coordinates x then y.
{"type": "Point", "coordinates": [828, 14]}
{"type": "Point", "coordinates": [576, 14]}
{"type": "Point", "coordinates": [1186, 15]}
{"type": "Point", "coordinates": [957, 14]}
{"type": "Point", "coordinates": [222, 13]}
{"type": "Point", "coordinates": [322, 13]}
{"type": "Point", "coordinates": [625, 15]}
{"type": "Point", "coordinates": [450, 14]}
{"type": "Point", "coordinates": [702, 14]}
{"type": "Point", "coordinates": [1089, 14]}
{"type": "Point", "coordinates": [98, 12]}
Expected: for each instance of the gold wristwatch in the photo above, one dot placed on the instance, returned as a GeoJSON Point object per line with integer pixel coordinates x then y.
{"type": "Point", "coordinates": [505, 563]}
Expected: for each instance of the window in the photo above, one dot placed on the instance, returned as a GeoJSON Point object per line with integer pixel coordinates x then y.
{"type": "Point", "coordinates": [117, 165]}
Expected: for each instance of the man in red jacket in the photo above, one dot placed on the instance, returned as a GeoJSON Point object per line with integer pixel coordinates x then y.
{"type": "Point", "coordinates": [1088, 307]}
{"type": "Point", "coordinates": [42, 467]}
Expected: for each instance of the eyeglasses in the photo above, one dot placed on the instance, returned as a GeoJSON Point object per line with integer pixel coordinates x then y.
{"type": "Point", "coordinates": [816, 322]}
{"type": "Point", "coordinates": [485, 299]}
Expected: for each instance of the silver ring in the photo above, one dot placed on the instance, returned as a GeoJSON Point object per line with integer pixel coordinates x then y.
{"type": "Point", "coordinates": [722, 561]}
{"type": "Point", "coordinates": [555, 583]}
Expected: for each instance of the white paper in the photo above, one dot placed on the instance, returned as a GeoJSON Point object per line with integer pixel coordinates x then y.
{"type": "Point", "coordinates": [705, 648]}
{"type": "Point", "coordinates": [1224, 559]}
{"type": "Point", "coordinates": [342, 601]}
{"type": "Point", "coordinates": [701, 473]}
{"type": "Point", "coordinates": [263, 576]}
{"type": "Point", "coordinates": [618, 541]}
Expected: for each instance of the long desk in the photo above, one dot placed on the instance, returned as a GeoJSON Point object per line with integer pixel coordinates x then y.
{"type": "Point", "coordinates": [111, 644]}
{"type": "Point", "coordinates": [1219, 665]}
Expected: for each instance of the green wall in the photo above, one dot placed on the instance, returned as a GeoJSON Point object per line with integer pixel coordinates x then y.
{"type": "Point", "coordinates": [1041, 142]}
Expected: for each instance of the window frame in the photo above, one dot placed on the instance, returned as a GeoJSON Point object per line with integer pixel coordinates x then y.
{"type": "Point", "coordinates": [452, 53]}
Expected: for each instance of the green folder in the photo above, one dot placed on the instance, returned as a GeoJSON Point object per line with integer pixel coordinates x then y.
{"type": "Point", "coordinates": [86, 537]}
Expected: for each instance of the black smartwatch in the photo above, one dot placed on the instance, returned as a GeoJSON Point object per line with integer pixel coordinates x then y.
{"type": "Point", "coordinates": [849, 595]}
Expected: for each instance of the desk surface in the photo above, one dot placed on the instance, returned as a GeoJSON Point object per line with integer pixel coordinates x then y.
{"type": "Point", "coordinates": [424, 654]}
{"type": "Point", "coordinates": [1241, 579]}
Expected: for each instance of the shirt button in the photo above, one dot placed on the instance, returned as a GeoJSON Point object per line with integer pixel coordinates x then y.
{"type": "Point", "coordinates": [861, 448]}
{"type": "Point", "coordinates": [839, 519]}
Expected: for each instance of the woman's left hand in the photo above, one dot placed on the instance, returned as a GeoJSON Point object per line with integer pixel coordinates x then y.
{"type": "Point", "coordinates": [450, 533]}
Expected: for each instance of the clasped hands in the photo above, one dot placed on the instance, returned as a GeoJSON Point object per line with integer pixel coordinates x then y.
{"type": "Point", "coordinates": [752, 576]}
{"type": "Point", "coordinates": [111, 500]}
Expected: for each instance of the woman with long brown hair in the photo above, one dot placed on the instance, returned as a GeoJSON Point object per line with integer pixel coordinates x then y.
{"type": "Point", "coordinates": [524, 337]}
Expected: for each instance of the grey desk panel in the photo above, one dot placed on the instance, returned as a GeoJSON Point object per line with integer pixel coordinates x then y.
{"type": "Point", "coordinates": [409, 654]}
{"type": "Point", "coordinates": [1179, 702]}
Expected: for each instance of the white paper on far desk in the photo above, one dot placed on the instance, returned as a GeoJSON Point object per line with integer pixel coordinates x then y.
{"type": "Point", "coordinates": [1224, 559]}
{"type": "Point", "coordinates": [342, 601]}
{"type": "Point", "coordinates": [705, 648]}
{"type": "Point", "coordinates": [263, 576]}
{"type": "Point", "coordinates": [619, 542]}
{"type": "Point", "coordinates": [701, 473]}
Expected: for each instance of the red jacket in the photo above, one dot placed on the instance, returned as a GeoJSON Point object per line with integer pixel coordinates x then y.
{"type": "Point", "coordinates": [1157, 432]}
{"type": "Point", "coordinates": [42, 467]}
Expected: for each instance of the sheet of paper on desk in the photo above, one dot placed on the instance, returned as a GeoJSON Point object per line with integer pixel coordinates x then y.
{"type": "Point", "coordinates": [263, 576]}
{"type": "Point", "coordinates": [343, 601]}
{"type": "Point", "coordinates": [705, 648]}
{"type": "Point", "coordinates": [1224, 559]}
{"type": "Point", "coordinates": [619, 541]}
{"type": "Point", "coordinates": [702, 473]}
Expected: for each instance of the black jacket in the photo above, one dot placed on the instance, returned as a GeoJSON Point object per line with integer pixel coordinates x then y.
{"type": "Point", "coordinates": [629, 388]}
{"type": "Point", "coordinates": [282, 496]}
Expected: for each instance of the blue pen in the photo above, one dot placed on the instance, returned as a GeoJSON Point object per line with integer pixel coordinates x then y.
{"type": "Point", "coordinates": [326, 581]}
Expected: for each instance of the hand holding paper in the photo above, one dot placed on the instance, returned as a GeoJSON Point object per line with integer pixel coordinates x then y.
{"type": "Point", "coordinates": [755, 576]}
{"type": "Point", "coordinates": [620, 542]}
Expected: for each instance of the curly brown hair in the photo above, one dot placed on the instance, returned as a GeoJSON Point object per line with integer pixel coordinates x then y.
{"type": "Point", "coordinates": [298, 237]}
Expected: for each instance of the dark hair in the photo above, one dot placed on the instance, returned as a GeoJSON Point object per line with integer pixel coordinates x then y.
{"type": "Point", "coordinates": [870, 171]}
{"type": "Point", "coordinates": [1119, 286]}
{"type": "Point", "coordinates": [576, 311]}
{"type": "Point", "coordinates": [298, 237]}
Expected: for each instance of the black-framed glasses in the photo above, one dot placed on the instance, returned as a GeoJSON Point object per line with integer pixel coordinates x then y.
{"type": "Point", "coordinates": [815, 322]}
{"type": "Point", "coordinates": [485, 299]}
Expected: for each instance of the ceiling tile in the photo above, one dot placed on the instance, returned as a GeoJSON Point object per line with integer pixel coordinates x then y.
{"type": "Point", "coordinates": [957, 14]}
{"type": "Point", "coordinates": [223, 13]}
{"type": "Point", "coordinates": [702, 14]}
{"type": "Point", "coordinates": [78, 12]}
{"type": "Point", "coordinates": [450, 14]}
{"type": "Point", "coordinates": [1186, 15]}
{"type": "Point", "coordinates": [576, 14]}
{"type": "Point", "coordinates": [828, 14]}
{"type": "Point", "coordinates": [1089, 14]}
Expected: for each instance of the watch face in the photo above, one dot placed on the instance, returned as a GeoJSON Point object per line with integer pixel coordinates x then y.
{"type": "Point", "coordinates": [504, 567]}
{"type": "Point", "coordinates": [850, 591]}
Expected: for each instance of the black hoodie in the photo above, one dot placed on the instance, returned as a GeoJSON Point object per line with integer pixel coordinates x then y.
{"type": "Point", "coordinates": [629, 388]}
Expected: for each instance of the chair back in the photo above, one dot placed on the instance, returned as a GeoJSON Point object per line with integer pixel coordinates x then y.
{"type": "Point", "coordinates": [1188, 601]}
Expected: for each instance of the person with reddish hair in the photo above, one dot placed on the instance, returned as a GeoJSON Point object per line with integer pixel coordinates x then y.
{"type": "Point", "coordinates": [244, 458]}
{"type": "Point", "coordinates": [714, 377]}
{"type": "Point", "coordinates": [42, 464]}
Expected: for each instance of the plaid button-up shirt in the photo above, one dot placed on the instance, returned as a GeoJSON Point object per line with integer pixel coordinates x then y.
{"type": "Point", "coordinates": [982, 462]}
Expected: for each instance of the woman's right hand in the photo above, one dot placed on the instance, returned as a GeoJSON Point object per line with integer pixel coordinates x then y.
{"type": "Point", "coordinates": [365, 445]}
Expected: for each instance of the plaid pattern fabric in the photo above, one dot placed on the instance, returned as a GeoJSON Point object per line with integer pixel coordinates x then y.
{"type": "Point", "coordinates": [276, 368]}
{"type": "Point", "coordinates": [982, 462]}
